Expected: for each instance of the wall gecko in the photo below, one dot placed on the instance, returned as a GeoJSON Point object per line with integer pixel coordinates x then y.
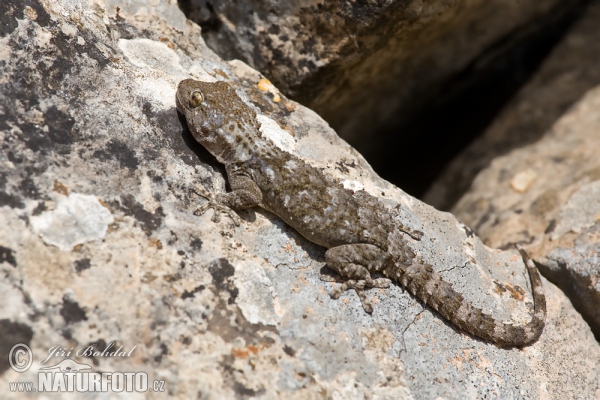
{"type": "Point", "coordinates": [359, 231]}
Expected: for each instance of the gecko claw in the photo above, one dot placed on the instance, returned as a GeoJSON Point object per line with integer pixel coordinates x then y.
{"type": "Point", "coordinates": [212, 202]}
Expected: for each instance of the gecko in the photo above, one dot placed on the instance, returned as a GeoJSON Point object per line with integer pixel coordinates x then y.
{"type": "Point", "coordinates": [359, 231]}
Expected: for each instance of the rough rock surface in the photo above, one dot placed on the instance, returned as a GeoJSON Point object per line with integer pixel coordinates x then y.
{"type": "Point", "coordinates": [99, 244]}
{"type": "Point", "coordinates": [547, 194]}
{"type": "Point", "coordinates": [564, 77]}
{"type": "Point", "coordinates": [362, 64]}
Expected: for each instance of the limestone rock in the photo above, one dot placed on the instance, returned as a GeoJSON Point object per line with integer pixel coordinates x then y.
{"type": "Point", "coordinates": [562, 79]}
{"type": "Point", "coordinates": [88, 125]}
{"type": "Point", "coordinates": [557, 211]}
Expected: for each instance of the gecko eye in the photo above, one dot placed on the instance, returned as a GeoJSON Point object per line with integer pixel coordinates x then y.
{"type": "Point", "coordinates": [196, 99]}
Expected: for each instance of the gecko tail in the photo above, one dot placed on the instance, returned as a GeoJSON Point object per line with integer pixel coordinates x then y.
{"type": "Point", "coordinates": [421, 280]}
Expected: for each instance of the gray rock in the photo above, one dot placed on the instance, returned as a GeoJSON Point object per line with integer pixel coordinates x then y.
{"type": "Point", "coordinates": [362, 65]}
{"type": "Point", "coordinates": [88, 122]}
{"type": "Point", "coordinates": [547, 194]}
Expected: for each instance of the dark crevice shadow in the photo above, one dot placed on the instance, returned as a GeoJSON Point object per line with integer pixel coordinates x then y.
{"type": "Point", "coordinates": [518, 129]}
{"type": "Point", "coordinates": [413, 154]}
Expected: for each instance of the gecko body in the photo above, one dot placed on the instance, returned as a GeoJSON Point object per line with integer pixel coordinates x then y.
{"type": "Point", "coordinates": [361, 233]}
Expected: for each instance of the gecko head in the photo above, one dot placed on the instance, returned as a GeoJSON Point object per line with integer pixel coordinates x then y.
{"type": "Point", "coordinates": [216, 116]}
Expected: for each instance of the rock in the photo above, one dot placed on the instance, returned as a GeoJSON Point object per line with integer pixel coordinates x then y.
{"type": "Point", "coordinates": [88, 125]}
{"type": "Point", "coordinates": [365, 65]}
{"type": "Point", "coordinates": [557, 211]}
{"type": "Point", "coordinates": [561, 81]}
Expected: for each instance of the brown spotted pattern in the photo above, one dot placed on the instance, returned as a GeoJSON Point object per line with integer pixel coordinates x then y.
{"type": "Point", "coordinates": [359, 231]}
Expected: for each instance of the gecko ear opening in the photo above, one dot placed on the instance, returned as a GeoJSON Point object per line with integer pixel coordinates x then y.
{"type": "Point", "coordinates": [196, 99]}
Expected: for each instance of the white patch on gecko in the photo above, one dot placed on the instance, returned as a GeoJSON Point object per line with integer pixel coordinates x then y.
{"type": "Point", "coordinates": [270, 173]}
{"type": "Point", "coordinates": [272, 131]}
{"type": "Point", "coordinates": [353, 185]}
{"type": "Point", "coordinates": [290, 165]}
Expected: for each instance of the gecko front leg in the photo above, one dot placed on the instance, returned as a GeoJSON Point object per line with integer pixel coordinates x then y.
{"type": "Point", "coordinates": [355, 262]}
{"type": "Point", "coordinates": [244, 194]}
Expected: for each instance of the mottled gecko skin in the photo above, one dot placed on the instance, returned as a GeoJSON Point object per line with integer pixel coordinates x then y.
{"type": "Point", "coordinates": [360, 232]}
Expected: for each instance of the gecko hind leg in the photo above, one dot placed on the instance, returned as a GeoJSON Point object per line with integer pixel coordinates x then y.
{"type": "Point", "coordinates": [355, 262]}
{"type": "Point", "coordinates": [212, 201]}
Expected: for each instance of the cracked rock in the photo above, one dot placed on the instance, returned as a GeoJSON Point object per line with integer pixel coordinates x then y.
{"type": "Point", "coordinates": [88, 128]}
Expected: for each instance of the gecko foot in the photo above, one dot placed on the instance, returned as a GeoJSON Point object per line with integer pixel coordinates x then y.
{"type": "Point", "coordinates": [359, 286]}
{"type": "Point", "coordinates": [213, 202]}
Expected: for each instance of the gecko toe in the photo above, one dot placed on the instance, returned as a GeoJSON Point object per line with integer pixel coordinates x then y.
{"type": "Point", "coordinates": [202, 209]}
{"type": "Point", "coordinates": [381, 283]}
{"type": "Point", "coordinates": [359, 287]}
{"type": "Point", "coordinates": [336, 293]}
{"type": "Point", "coordinates": [213, 203]}
{"type": "Point", "coordinates": [215, 217]}
{"type": "Point", "coordinates": [366, 303]}
{"type": "Point", "coordinates": [367, 306]}
{"type": "Point", "coordinates": [329, 278]}
{"type": "Point", "coordinates": [232, 214]}
{"type": "Point", "coordinates": [200, 191]}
